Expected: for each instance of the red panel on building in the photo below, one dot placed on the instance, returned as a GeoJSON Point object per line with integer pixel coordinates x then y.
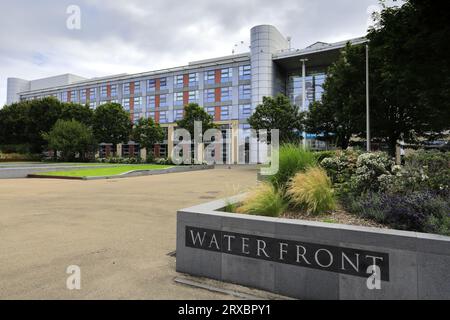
{"type": "Point", "coordinates": [217, 114]}
{"type": "Point", "coordinates": [69, 96]}
{"type": "Point", "coordinates": [185, 97]}
{"type": "Point", "coordinates": [218, 95]}
{"type": "Point", "coordinates": [157, 116]}
{"type": "Point", "coordinates": [158, 84]}
{"type": "Point", "coordinates": [186, 80]}
{"type": "Point", "coordinates": [108, 91]}
{"type": "Point", "coordinates": [218, 76]}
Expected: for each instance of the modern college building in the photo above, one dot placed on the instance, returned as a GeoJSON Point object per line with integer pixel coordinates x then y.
{"type": "Point", "coordinates": [229, 88]}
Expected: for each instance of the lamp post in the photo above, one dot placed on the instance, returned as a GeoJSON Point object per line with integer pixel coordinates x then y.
{"type": "Point", "coordinates": [303, 61]}
{"type": "Point", "coordinates": [367, 100]}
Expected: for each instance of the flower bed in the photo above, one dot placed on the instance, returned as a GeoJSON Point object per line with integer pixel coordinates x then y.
{"type": "Point", "coordinates": [367, 186]}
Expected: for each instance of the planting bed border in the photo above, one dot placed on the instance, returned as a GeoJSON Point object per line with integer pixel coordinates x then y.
{"type": "Point", "coordinates": [415, 266]}
{"type": "Point", "coordinates": [132, 173]}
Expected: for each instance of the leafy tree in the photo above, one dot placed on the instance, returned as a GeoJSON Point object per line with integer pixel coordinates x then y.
{"type": "Point", "coordinates": [278, 113]}
{"type": "Point", "coordinates": [409, 52]}
{"type": "Point", "coordinates": [14, 124]}
{"type": "Point", "coordinates": [193, 112]}
{"type": "Point", "coordinates": [146, 132]}
{"type": "Point", "coordinates": [342, 111]}
{"type": "Point", "coordinates": [78, 112]}
{"type": "Point", "coordinates": [70, 137]}
{"type": "Point", "coordinates": [43, 114]}
{"type": "Point", "coordinates": [111, 124]}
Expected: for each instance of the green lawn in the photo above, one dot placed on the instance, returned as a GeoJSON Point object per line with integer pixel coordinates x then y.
{"type": "Point", "coordinates": [102, 172]}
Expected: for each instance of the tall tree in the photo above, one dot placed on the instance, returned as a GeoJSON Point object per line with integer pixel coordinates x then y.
{"type": "Point", "coordinates": [43, 115]}
{"type": "Point", "coordinates": [147, 133]}
{"type": "Point", "coordinates": [341, 113]}
{"type": "Point", "coordinates": [409, 52]}
{"type": "Point", "coordinates": [278, 113]}
{"type": "Point", "coordinates": [14, 124]}
{"type": "Point", "coordinates": [193, 112]}
{"type": "Point", "coordinates": [111, 124]}
{"type": "Point", "coordinates": [79, 112]}
{"type": "Point", "coordinates": [70, 137]}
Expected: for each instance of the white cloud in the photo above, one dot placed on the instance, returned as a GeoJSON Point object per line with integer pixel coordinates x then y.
{"type": "Point", "coordinates": [140, 35]}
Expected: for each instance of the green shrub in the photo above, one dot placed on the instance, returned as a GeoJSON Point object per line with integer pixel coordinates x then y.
{"type": "Point", "coordinates": [293, 158]}
{"type": "Point", "coordinates": [263, 200]}
{"type": "Point", "coordinates": [434, 165]}
{"type": "Point", "coordinates": [321, 155]}
{"type": "Point", "coordinates": [369, 168]}
{"type": "Point", "coordinates": [11, 157]}
{"type": "Point", "coordinates": [312, 190]}
{"type": "Point", "coordinates": [421, 211]}
{"type": "Point", "coordinates": [342, 166]}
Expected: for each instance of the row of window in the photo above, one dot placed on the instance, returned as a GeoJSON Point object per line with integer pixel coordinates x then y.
{"type": "Point", "coordinates": [245, 111]}
{"type": "Point", "coordinates": [226, 75]}
{"type": "Point", "coordinates": [226, 95]}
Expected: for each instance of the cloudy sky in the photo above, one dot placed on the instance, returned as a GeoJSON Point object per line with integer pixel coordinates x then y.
{"type": "Point", "coordinates": [127, 36]}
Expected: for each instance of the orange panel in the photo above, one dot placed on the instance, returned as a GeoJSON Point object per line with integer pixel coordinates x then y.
{"type": "Point", "coordinates": [218, 76]}
{"type": "Point", "coordinates": [185, 97]}
{"type": "Point", "coordinates": [157, 101]}
{"type": "Point", "coordinates": [186, 80]}
{"type": "Point", "coordinates": [69, 96]}
{"type": "Point", "coordinates": [217, 114]}
{"type": "Point", "coordinates": [158, 85]}
{"type": "Point", "coordinates": [108, 91]}
{"type": "Point", "coordinates": [157, 116]}
{"type": "Point", "coordinates": [132, 88]}
{"type": "Point", "coordinates": [218, 95]}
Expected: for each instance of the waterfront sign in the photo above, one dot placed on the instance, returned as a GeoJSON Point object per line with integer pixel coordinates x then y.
{"type": "Point", "coordinates": [336, 259]}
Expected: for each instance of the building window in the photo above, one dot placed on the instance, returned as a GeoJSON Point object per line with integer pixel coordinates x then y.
{"type": "Point", "coordinates": [211, 111]}
{"type": "Point", "coordinates": [210, 77]}
{"type": "Point", "coordinates": [245, 91]}
{"type": "Point", "coordinates": [73, 96]}
{"type": "Point", "coordinates": [137, 105]}
{"type": "Point", "coordinates": [163, 117]}
{"type": "Point", "coordinates": [245, 72]}
{"type": "Point", "coordinates": [137, 87]}
{"type": "Point", "coordinates": [178, 81]}
{"type": "Point", "coordinates": [114, 90]}
{"type": "Point", "coordinates": [178, 115]}
{"type": "Point", "coordinates": [245, 111]}
{"type": "Point", "coordinates": [115, 101]}
{"type": "Point", "coordinates": [126, 104]}
{"type": "Point", "coordinates": [163, 83]}
{"type": "Point", "coordinates": [225, 113]}
{"type": "Point", "coordinates": [314, 88]}
{"type": "Point", "coordinates": [83, 93]}
{"type": "Point", "coordinates": [151, 115]}
{"type": "Point", "coordinates": [226, 94]}
{"type": "Point", "coordinates": [210, 95]}
{"type": "Point", "coordinates": [178, 98]}
{"type": "Point", "coordinates": [163, 100]}
{"type": "Point", "coordinates": [151, 85]}
{"type": "Point", "coordinates": [193, 96]}
{"type": "Point", "coordinates": [93, 94]}
{"type": "Point", "coordinates": [93, 104]}
{"type": "Point", "coordinates": [226, 75]}
{"type": "Point", "coordinates": [126, 88]}
{"type": "Point", "coordinates": [193, 79]}
{"type": "Point", "coordinates": [104, 91]}
{"type": "Point", "coordinates": [151, 102]}
{"type": "Point", "coordinates": [65, 96]}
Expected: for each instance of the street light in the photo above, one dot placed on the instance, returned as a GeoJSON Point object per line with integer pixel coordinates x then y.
{"type": "Point", "coordinates": [367, 99]}
{"type": "Point", "coordinates": [303, 61]}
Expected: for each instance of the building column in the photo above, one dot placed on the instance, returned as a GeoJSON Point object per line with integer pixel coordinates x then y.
{"type": "Point", "coordinates": [170, 132]}
{"type": "Point", "coordinates": [235, 141]}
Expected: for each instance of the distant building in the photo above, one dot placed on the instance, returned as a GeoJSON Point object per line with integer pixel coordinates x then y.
{"type": "Point", "coordinates": [229, 88]}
